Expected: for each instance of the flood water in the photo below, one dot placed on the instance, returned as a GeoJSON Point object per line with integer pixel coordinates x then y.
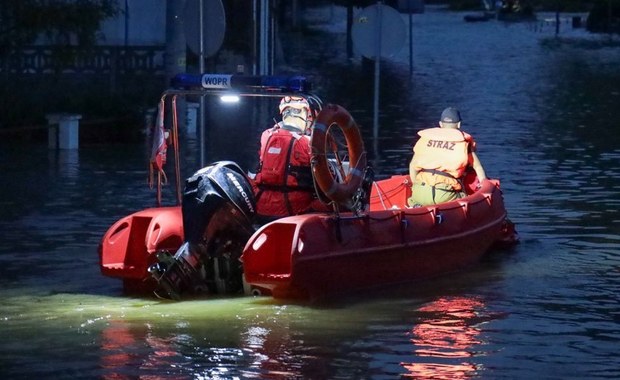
{"type": "Point", "coordinates": [545, 115]}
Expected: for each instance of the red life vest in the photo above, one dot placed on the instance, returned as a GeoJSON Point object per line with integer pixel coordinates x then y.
{"type": "Point", "coordinates": [284, 178]}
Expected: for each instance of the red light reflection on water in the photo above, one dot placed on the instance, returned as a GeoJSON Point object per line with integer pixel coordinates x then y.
{"type": "Point", "coordinates": [115, 339]}
{"type": "Point", "coordinates": [445, 337]}
{"type": "Point", "coordinates": [122, 356]}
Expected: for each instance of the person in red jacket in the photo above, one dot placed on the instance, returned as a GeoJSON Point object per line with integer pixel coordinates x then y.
{"type": "Point", "coordinates": [283, 180]}
{"type": "Point", "coordinates": [441, 157]}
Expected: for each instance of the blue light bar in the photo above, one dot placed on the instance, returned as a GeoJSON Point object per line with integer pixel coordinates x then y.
{"type": "Point", "coordinates": [241, 82]}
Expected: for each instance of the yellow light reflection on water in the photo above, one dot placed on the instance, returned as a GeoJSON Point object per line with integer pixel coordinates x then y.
{"type": "Point", "coordinates": [211, 338]}
{"type": "Point", "coordinates": [132, 335]}
{"type": "Point", "coordinates": [207, 337]}
{"type": "Point", "coordinates": [89, 309]}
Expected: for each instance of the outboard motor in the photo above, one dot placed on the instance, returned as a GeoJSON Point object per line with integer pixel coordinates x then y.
{"type": "Point", "coordinates": [218, 208]}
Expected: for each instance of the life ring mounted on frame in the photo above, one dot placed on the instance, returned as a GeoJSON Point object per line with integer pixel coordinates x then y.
{"type": "Point", "coordinates": [345, 183]}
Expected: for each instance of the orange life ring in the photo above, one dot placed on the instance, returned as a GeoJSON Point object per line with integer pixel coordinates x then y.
{"type": "Point", "coordinates": [343, 192]}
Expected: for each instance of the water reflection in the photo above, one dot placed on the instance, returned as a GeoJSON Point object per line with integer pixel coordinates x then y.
{"type": "Point", "coordinates": [271, 351]}
{"type": "Point", "coordinates": [194, 348]}
{"type": "Point", "coordinates": [115, 356]}
{"type": "Point", "coordinates": [65, 163]}
{"type": "Point", "coordinates": [127, 352]}
{"type": "Point", "coordinates": [447, 339]}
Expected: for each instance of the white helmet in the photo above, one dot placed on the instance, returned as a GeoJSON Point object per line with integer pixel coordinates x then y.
{"type": "Point", "coordinates": [295, 102]}
{"type": "Point", "coordinates": [291, 106]}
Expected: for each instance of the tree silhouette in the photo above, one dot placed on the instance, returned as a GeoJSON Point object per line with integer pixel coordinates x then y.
{"type": "Point", "coordinates": [53, 22]}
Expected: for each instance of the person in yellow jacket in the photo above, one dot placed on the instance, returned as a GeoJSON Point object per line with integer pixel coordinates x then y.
{"type": "Point", "coordinates": [440, 158]}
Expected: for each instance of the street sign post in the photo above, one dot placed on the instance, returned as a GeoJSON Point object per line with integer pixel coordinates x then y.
{"type": "Point", "coordinates": [378, 31]}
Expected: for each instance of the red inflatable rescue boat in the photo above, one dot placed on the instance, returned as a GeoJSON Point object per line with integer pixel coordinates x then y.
{"type": "Point", "coordinates": [319, 255]}
{"type": "Point", "coordinates": [209, 242]}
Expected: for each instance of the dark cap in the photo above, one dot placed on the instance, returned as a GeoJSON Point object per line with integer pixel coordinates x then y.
{"type": "Point", "coordinates": [450, 115]}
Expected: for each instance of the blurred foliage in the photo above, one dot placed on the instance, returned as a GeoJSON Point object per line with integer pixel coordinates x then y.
{"type": "Point", "coordinates": [53, 22]}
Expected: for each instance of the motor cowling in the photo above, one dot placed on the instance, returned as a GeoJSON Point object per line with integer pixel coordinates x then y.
{"type": "Point", "coordinates": [208, 190]}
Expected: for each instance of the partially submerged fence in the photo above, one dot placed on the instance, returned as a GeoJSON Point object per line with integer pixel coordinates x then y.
{"type": "Point", "coordinates": [109, 60]}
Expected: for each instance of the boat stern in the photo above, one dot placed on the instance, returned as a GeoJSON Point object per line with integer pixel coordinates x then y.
{"type": "Point", "coordinates": [269, 255]}
{"type": "Point", "coordinates": [128, 247]}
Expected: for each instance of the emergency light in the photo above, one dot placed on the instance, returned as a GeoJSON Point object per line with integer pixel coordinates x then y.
{"type": "Point", "coordinates": [230, 98]}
